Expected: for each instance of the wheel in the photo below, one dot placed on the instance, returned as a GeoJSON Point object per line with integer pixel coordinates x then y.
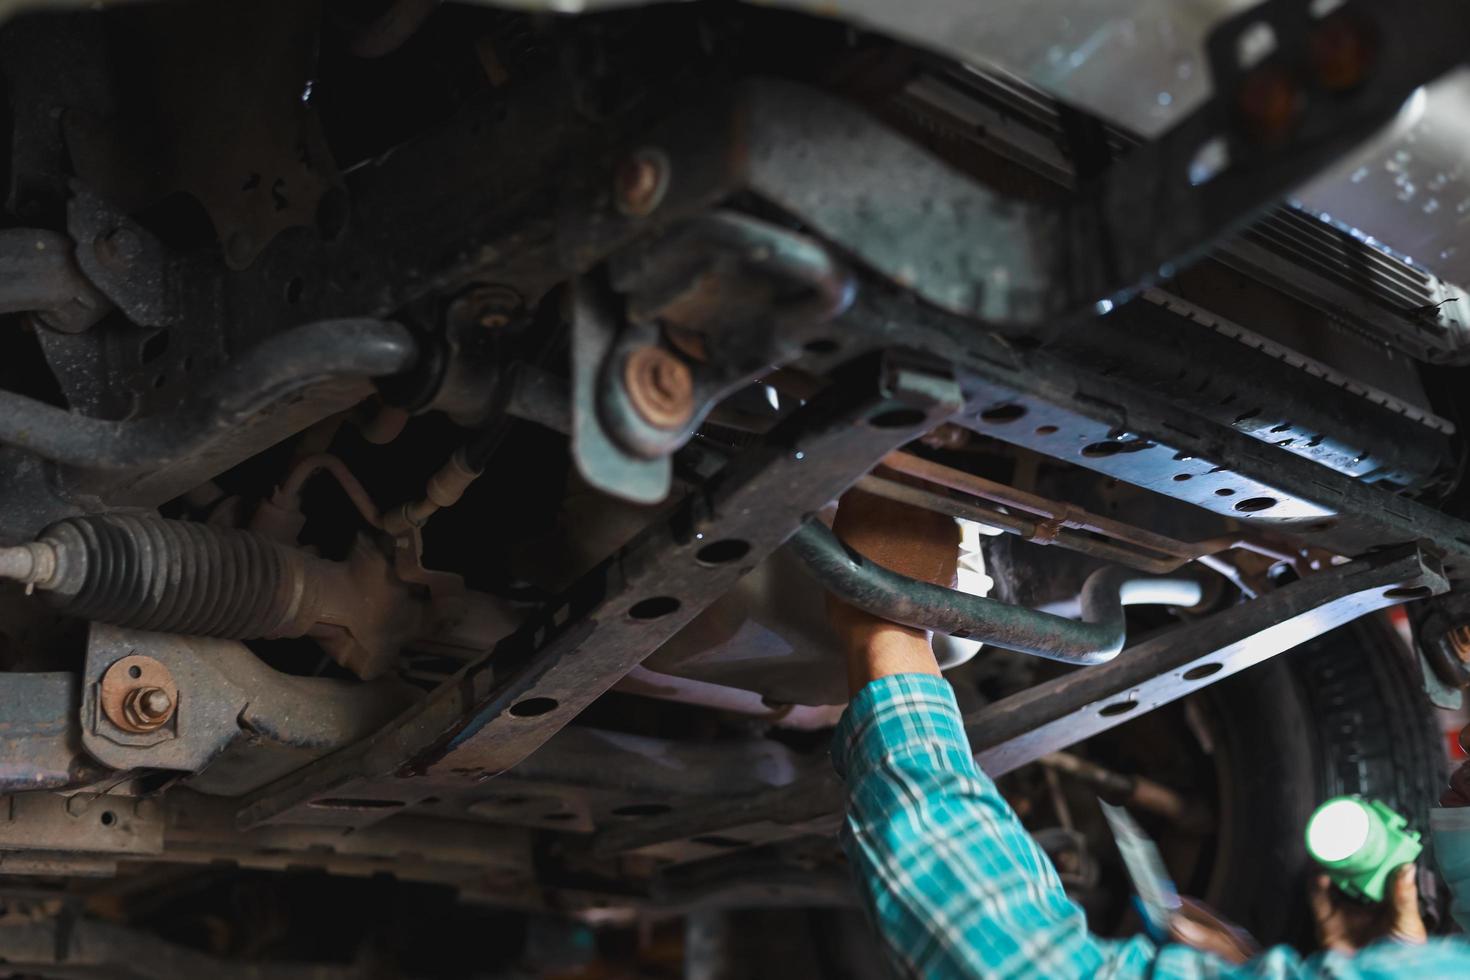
{"type": "Point", "coordinates": [1341, 714]}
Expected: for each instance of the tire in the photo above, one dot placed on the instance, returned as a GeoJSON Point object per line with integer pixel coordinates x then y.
{"type": "Point", "coordinates": [1341, 714]}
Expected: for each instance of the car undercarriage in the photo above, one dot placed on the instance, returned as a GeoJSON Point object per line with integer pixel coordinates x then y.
{"type": "Point", "coordinates": [420, 427]}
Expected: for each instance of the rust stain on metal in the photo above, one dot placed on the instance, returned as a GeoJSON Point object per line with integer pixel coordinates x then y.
{"type": "Point", "coordinates": [138, 694]}
{"type": "Point", "coordinates": [659, 386]}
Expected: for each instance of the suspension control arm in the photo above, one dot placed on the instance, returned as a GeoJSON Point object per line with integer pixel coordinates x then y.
{"type": "Point", "coordinates": [279, 370]}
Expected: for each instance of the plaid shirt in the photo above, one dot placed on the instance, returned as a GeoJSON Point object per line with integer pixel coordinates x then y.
{"type": "Point", "coordinates": [957, 888]}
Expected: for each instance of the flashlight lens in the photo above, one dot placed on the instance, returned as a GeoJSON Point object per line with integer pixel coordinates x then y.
{"type": "Point", "coordinates": [1337, 830]}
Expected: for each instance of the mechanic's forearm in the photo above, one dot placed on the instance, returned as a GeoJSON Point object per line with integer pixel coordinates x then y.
{"type": "Point", "coordinates": [876, 648]}
{"type": "Point", "coordinates": [955, 884]}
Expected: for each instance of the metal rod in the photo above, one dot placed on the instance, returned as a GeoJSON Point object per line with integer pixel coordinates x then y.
{"type": "Point", "coordinates": [1096, 639]}
{"type": "Point", "coordinates": [39, 275]}
{"type": "Point", "coordinates": [279, 369]}
{"type": "Point", "coordinates": [306, 468]}
{"type": "Point", "coordinates": [1019, 526]}
{"type": "Point", "coordinates": [1064, 514]}
{"type": "Point", "coordinates": [1138, 791]}
{"type": "Point", "coordinates": [1060, 515]}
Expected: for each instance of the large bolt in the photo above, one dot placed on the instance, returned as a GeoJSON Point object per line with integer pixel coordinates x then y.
{"type": "Point", "coordinates": [148, 707]}
{"type": "Point", "coordinates": [660, 387]}
{"type": "Point", "coordinates": [138, 694]}
{"type": "Point", "coordinates": [640, 182]}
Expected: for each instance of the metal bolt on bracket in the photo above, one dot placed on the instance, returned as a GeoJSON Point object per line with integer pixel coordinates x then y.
{"type": "Point", "coordinates": [148, 707]}
{"type": "Point", "coordinates": [659, 386]}
{"type": "Point", "coordinates": [138, 694]}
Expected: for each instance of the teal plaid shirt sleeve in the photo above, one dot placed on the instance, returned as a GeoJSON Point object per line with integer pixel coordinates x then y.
{"type": "Point", "coordinates": [957, 888]}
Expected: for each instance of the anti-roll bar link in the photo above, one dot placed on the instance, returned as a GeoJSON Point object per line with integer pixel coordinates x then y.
{"type": "Point", "coordinates": [1095, 639]}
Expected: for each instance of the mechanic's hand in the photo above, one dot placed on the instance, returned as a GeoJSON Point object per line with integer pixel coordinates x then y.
{"type": "Point", "coordinates": [904, 539]}
{"type": "Point", "coordinates": [1346, 925]}
{"type": "Point", "coordinates": [1198, 925]}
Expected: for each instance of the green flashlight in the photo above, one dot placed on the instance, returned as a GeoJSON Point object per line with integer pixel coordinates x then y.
{"type": "Point", "coordinates": [1359, 843]}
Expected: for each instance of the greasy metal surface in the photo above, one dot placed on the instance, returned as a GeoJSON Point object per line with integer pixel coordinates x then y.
{"type": "Point", "coordinates": [1061, 712]}
{"type": "Point", "coordinates": [319, 367]}
{"type": "Point", "coordinates": [483, 862]}
{"type": "Point", "coordinates": [40, 743]}
{"type": "Point", "coordinates": [122, 680]}
{"type": "Point", "coordinates": [1096, 639]}
{"type": "Point", "coordinates": [88, 834]}
{"type": "Point", "coordinates": [39, 275]}
{"type": "Point", "coordinates": [217, 108]}
{"type": "Point", "coordinates": [534, 682]}
{"type": "Point", "coordinates": [85, 823]}
{"type": "Point", "coordinates": [1213, 368]}
{"type": "Point", "coordinates": [237, 720]}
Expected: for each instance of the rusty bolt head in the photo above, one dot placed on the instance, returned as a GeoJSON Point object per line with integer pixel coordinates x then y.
{"type": "Point", "coordinates": [138, 694]}
{"type": "Point", "coordinates": [660, 387]}
{"type": "Point", "coordinates": [148, 707]}
{"type": "Point", "coordinates": [640, 182]}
